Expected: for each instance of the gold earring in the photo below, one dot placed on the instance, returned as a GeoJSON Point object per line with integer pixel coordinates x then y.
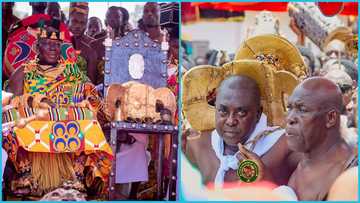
{"type": "Point", "coordinates": [43, 34]}
{"type": "Point", "coordinates": [53, 35]}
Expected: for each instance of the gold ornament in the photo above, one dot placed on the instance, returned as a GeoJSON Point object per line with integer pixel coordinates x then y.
{"type": "Point", "coordinates": [43, 34]}
{"type": "Point", "coordinates": [274, 50]}
{"type": "Point", "coordinates": [53, 36]}
{"type": "Point", "coordinates": [201, 82]}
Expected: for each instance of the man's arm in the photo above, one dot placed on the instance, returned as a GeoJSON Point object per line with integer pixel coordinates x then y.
{"type": "Point", "coordinates": [16, 84]}
{"type": "Point", "coordinates": [91, 59]}
{"type": "Point", "coordinates": [276, 161]}
{"type": "Point", "coordinates": [192, 142]}
{"type": "Point", "coordinates": [97, 45]}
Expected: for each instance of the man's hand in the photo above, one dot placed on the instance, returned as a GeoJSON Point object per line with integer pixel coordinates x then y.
{"type": "Point", "coordinates": [264, 174]}
{"type": "Point", "coordinates": [6, 98]}
{"type": "Point", "coordinates": [300, 35]}
{"type": "Point", "coordinates": [46, 103]}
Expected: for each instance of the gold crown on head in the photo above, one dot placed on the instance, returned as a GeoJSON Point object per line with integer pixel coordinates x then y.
{"type": "Point", "coordinates": [44, 34]}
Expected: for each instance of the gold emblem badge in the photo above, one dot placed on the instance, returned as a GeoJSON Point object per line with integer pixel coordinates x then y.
{"type": "Point", "coordinates": [248, 171]}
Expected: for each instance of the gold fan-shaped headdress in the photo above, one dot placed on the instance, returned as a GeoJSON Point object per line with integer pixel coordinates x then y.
{"type": "Point", "coordinates": [201, 82]}
{"type": "Point", "coordinates": [274, 50]}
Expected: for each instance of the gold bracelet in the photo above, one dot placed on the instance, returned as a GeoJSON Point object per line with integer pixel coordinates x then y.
{"type": "Point", "coordinates": [194, 137]}
{"type": "Point", "coordinates": [37, 100]}
{"type": "Point", "coordinates": [15, 102]}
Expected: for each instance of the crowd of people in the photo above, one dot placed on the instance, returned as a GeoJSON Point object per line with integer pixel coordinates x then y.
{"type": "Point", "coordinates": [302, 143]}
{"type": "Point", "coordinates": [53, 114]}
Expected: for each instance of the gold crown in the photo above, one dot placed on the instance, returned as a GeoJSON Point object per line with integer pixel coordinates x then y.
{"type": "Point", "coordinates": [42, 33]}
{"type": "Point", "coordinates": [202, 81]}
{"type": "Point", "coordinates": [274, 50]}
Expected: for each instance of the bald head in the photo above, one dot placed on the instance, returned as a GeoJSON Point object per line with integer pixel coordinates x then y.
{"type": "Point", "coordinates": [324, 91]}
{"type": "Point", "coordinates": [313, 114]}
{"type": "Point", "coordinates": [237, 109]}
{"type": "Point", "coordinates": [237, 83]}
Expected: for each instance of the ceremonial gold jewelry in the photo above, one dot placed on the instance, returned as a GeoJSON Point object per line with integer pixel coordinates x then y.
{"type": "Point", "coordinates": [53, 36]}
{"type": "Point", "coordinates": [43, 34]}
{"type": "Point", "coordinates": [193, 137]}
{"type": "Point", "coordinates": [37, 99]}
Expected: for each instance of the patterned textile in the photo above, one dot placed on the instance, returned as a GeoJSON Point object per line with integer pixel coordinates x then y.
{"type": "Point", "coordinates": [54, 114]}
{"type": "Point", "coordinates": [63, 89]}
{"type": "Point", "coordinates": [21, 43]}
{"type": "Point", "coordinates": [68, 144]}
{"type": "Point", "coordinates": [62, 136]}
{"type": "Point", "coordinates": [82, 139]}
{"type": "Point", "coordinates": [81, 63]}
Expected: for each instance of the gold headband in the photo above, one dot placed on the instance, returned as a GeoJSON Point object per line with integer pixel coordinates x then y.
{"type": "Point", "coordinates": [42, 33]}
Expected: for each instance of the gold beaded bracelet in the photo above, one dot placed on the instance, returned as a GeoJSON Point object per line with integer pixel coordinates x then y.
{"type": "Point", "coordinates": [194, 137]}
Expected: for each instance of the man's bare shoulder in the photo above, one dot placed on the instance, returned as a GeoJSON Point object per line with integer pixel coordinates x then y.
{"type": "Point", "coordinates": [279, 150]}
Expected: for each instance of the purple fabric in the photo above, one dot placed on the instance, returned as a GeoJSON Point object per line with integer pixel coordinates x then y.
{"type": "Point", "coordinates": [3, 159]}
{"type": "Point", "coordinates": [132, 161]}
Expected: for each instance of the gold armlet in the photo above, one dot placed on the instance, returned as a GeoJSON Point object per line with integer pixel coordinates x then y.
{"type": "Point", "coordinates": [194, 137]}
{"type": "Point", "coordinates": [37, 100]}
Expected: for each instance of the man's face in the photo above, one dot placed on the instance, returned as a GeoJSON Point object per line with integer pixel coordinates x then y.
{"type": "Point", "coordinates": [94, 27]}
{"type": "Point", "coordinates": [351, 111]}
{"type": "Point", "coordinates": [151, 15]}
{"type": "Point", "coordinates": [347, 93]}
{"type": "Point", "coordinates": [40, 6]}
{"type": "Point", "coordinates": [306, 120]}
{"type": "Point", "coordinates": [114, 18]}
{"type": "Point", "coordinates": [77, 23]}
{"type": "Point", "coordinates": [49, 51]}
{"type": "Point", "coordinates": [236, 115]}
{"type": "Point", "coordinates": [53, 10]}
{"type": "Point", "coordinates": [336, 49]}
